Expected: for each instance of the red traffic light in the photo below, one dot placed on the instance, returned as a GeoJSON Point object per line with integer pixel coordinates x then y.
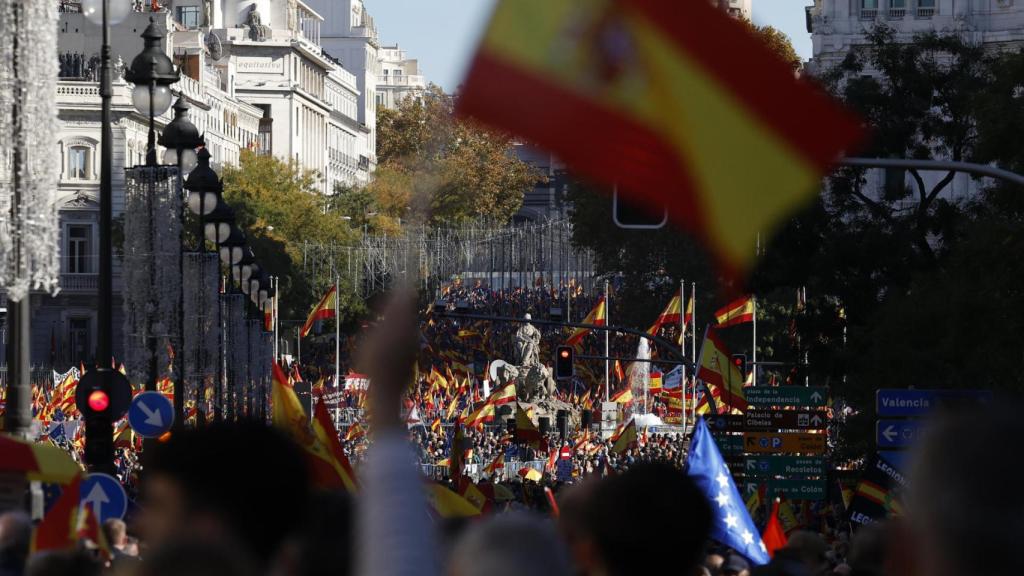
{"type": "Point", "coordinates": [98, 400]}
{"type": "Point", "coordinates": [737, 361]}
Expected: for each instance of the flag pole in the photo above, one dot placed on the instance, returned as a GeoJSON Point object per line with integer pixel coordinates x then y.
{"type": "Point", "coordinates": [607, 323]}
{"type": "Point", "coordinates": [693, 354]}
{"type": "Point", "coordinates": [753, 369]}
{"type": "Point", "coordinates": [337, 335]}
{"type": "Point", "coordinates": [682, 348]}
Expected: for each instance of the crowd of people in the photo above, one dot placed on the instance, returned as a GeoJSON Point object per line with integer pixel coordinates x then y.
{"type": "Point", "coordinates": [240, 498]}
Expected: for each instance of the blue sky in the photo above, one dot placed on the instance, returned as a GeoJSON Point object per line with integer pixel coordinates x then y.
{"type": "Point", "coordinates": [442, 34]}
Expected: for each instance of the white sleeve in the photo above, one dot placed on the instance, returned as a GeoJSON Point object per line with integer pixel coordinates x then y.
{"type": "Point", "coordinates": [396, 534]}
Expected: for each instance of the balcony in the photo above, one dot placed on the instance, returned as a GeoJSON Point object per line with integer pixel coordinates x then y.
{"type": "Point", "coordinates": [868, 13]}
{"type": "Point", "coordinates": [897, 13]}
{"type": "Point", "coordinates": [75, 283]}
{"type": "Point", "coordinates": [309, 24]}
{"type": "Point", "coordinates": [925, 11]}
{"type": "Point", "coordinates": [411, 80]}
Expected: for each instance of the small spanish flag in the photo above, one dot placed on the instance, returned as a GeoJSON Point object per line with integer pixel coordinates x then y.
{"type": "Point", "coordinates": [597, 317]}
{"type": "Point", "coordinates": [687, 111]}
{"type": "Point", "coordinates": [626, 439]}
{"type": "Point", "coordinates": [670, 316]}
{"type": "Point", "coordinates": [323, 311]}
{"type": "Point", "coordinates": [736, 312]}
{"type": "Point", "coordinates": [624, 396]}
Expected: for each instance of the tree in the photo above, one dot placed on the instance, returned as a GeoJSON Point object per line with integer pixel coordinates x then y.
{"type": "Point", "coordinates": [778, 42]}
{"type": "Point", "coordinates": [279, 206]}
{"type": "Point", "coordinates": [434, 167]}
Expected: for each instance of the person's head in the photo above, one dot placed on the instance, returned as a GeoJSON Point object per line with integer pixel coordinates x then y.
{"type": "Point", "coordinates": [961, 516]}
{"type": "Point", "coordinates": [116, 532]}
{"type": "Point", "coordinates": [63, 563]}
{"type": "Point", "coordinates": [713, 562]}
{"type": "Point", "coordinates": [810, 548]}
{"type": "Point", "coordinates": [15, 536]}
{"type": "Point", "coordinates": [510, 545]}
{"type": "Point", "coordinates": [734, 565]}
{"type": "Point", "coordinates": [193, 557]}
{"type": "Point", "coordinates": [242, 483]}
{"type": "Point", "coordinates": [628, 499]}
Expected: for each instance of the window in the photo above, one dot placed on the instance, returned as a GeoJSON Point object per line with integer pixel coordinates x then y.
{"type": "Point", "coordinates": [79, 249]}
{"type": "Point", "coordinates": [869, 4]}
{"type": "Point", "coordinates": [380, 98]}
{"type": "Point", "coordinates": [78, 339]}
{"type": "Point", "coordinates": [925, 8]}
{"type": "Point", "coordinates": [80, 163]}
{"type": "Point", "coordinates": [188, 16]}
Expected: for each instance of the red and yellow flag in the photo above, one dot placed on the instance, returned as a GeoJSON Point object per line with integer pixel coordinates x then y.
{"type": "Point", "coordinates": [626, 438]}
{"type": "Point", "coordinates": [597, 317]}
{"type": "Point", "coordinates": [321, 454]}
{"type": "Point", "coordinates": [719, 373]}
{"type": "Point", "coordinates": [736, 312]}
{"type": "Point", "coordinates": [58, 530]}
{"type": "Point", "coordinates": [497, 464]}
{"type": "Point", "coordinates": [505, 395]}
{"type": "Point", "coordinates": [526, 432]}
{"type": "Point", "coordinates": [671, 315]}
{"type": "Point", "coordinates": [692, 113]}
{"type": "Point", "coordinates": [323, 311]}
{"type": "Point", "coordinates": [624, 396]}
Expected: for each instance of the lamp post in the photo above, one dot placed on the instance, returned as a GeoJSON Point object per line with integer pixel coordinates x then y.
{"type": "Point", "coordinates": [181, 138]}
{"type": "Point", "coordinates": [152, 72]}
{"type": "Point", "coordinates": [231, 252]}
{"type": "Point", "coordinates": [204, 198]}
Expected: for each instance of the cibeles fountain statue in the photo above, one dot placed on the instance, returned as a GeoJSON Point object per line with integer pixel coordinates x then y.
{"type": "Point", "coordinates": [533, 380]}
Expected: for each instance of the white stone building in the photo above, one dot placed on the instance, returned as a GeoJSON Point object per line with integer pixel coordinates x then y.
{"type": "Point", "coordinates": [271, 88]}
{"type": "Point", "coordinates": [840, 26]}
{"type": "Point", "coordinates": [837, 26]}
{"type": "Point", "coordinates": [400, 77]}
{"type": "Point", "coordinates": [349, 34]}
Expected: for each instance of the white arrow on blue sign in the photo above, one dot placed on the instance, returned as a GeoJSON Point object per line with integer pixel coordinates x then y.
{"type": "Point", "coordinates": [151, 414]}
{"type": "Point", "coordinates": [897, 433]}
{"type": "Point", "coordinates": [106, 496]}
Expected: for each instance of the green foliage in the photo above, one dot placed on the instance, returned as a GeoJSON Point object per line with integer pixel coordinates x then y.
{"type": "Point", "coordinates": [279, 206]}
{"type": "Point", "coordinates": [434, 167]}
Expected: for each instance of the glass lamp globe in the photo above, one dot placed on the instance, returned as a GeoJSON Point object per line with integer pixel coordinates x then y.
{"type": "Point", "coordinates": [209, 202]}
{"type": "Point", "coordinates": [160, 100]}
{"type": "Point", "coordinates": [216, 232]}
{"type": "Point", "coordinates": [230, 255]}
{"type": "Point", "coordinates": [117, 11]}
{"type": "Point", "coordinates": [189, 159]}
{"type": "Point", "coordinates": [244, 287]}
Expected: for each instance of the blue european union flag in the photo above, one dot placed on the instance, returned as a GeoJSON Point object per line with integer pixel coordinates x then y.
{"type": "Point", "coordinates": [731, 524]}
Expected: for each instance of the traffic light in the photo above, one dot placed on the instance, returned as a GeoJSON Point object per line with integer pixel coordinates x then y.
{"type": "Point", "coordinates": [564, 362]}
{"type": "Point", "coordinates": [740, 362]}
{"type": "Point", "coordinates": [629, 215]}
{"type": "Point", "coordinates": [102, 396]}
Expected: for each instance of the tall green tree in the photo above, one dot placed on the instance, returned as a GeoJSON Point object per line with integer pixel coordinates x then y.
{"type": "Point", "coordinates": [279, 206]}
{"type": "Point", "coordinates": [434, 167]}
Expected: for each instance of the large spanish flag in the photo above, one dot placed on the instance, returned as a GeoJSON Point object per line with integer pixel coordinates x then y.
{"type": "Point", "coordinates": [736, 312]}
{"type": "Point", "coordinates": [679, 107]}
{"type": "Point", "coordinates": [719, 373]}
{"type": "Point", "coordinates": [324, 309]}
{"type": "Point", "coordinates": [597, 317]}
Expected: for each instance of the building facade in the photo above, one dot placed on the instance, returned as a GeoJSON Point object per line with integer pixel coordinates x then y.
{"type": "Point", "coordinates": [838, 26]}
{"type": "Point", "coordinates": [255, 77]}
{"type": "Point", "coordinates": [399, 78]}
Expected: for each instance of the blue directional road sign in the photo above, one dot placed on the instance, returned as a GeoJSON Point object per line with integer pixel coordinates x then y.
{"type": "Point", "coordinates": [106, 496]}
{"type": "Point", "coordinates": [899, 402]}
{"type": "Point", "coordinates": [897, 433]}
{"type": "Point", "coordinates": [151, 414]}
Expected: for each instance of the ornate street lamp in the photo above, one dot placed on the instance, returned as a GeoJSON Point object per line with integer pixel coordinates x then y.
{"type": "Point", "coordinates": [152, 72]}
{"type": "Point", "coordinates": [181, 138]}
